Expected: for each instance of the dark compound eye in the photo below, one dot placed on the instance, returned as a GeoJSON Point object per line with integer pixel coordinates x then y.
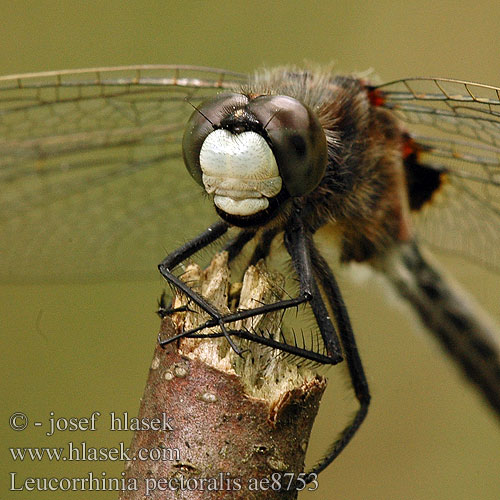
{"type": "Point", "coordinates": [297, 139]}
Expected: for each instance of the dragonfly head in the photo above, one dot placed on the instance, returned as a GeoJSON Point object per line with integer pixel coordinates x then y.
{"type": "Point", "coordinates": [253, 153]}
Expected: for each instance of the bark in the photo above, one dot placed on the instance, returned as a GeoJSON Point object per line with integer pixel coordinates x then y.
{"type": "Point", "coordinates": [235, 425]}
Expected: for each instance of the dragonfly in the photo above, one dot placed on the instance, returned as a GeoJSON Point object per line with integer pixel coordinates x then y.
{"type": "Point", "coordinates": [100, 167]}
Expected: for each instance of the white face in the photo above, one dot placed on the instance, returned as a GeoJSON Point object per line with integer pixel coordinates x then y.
{"type": "Point", "coordinates": [240, 170]}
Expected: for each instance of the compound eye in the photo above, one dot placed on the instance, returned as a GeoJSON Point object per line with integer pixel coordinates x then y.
{"type": "Point", "coordinates": [205, 119]}
{"type": "Point", "coordinates": [297, 140]}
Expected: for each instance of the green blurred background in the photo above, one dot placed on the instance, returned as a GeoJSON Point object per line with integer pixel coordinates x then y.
{"type": "Point", "coordinates": [76, 349]}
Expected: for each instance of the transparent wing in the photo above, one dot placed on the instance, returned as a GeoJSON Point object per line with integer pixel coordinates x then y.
{"type": "Point", "coordinates": [92, 184]}
{"type": "Point", "coordinates": [458, 125]}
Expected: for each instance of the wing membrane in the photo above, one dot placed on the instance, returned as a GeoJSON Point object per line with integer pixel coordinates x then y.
{"type": "Point", "coordinates": [457, 123]}
{"type": "Point", "coordinates": [92, 182]}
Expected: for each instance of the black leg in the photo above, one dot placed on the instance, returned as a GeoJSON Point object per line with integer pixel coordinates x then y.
{"type": "Point", "coordinates": [219, 320]}
{"type": "Point", "coordinates": [261, 251]}
{"type": "Point", "coordinates": [358, 378]}
{"type": "Point", "coordinates": [263, 246]}
{"type": "Point", "coordinates": [234, 247]}
{"type": "Point", "coordinates": [164, 310]}
{"type": "Point", "coordinates": [297, 244]}
{"type": "Point", "coordinates": [204, 239]}
{"type": "Point", "coordinates": [208, 236]}
{"type": "Point", "coordinates": [184, 252]}
{"type": "Point", "coordinates": [308, 293]}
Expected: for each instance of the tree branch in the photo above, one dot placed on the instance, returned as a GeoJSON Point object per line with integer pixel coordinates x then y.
{"type": "Point", "coordinates": [235, 421]}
